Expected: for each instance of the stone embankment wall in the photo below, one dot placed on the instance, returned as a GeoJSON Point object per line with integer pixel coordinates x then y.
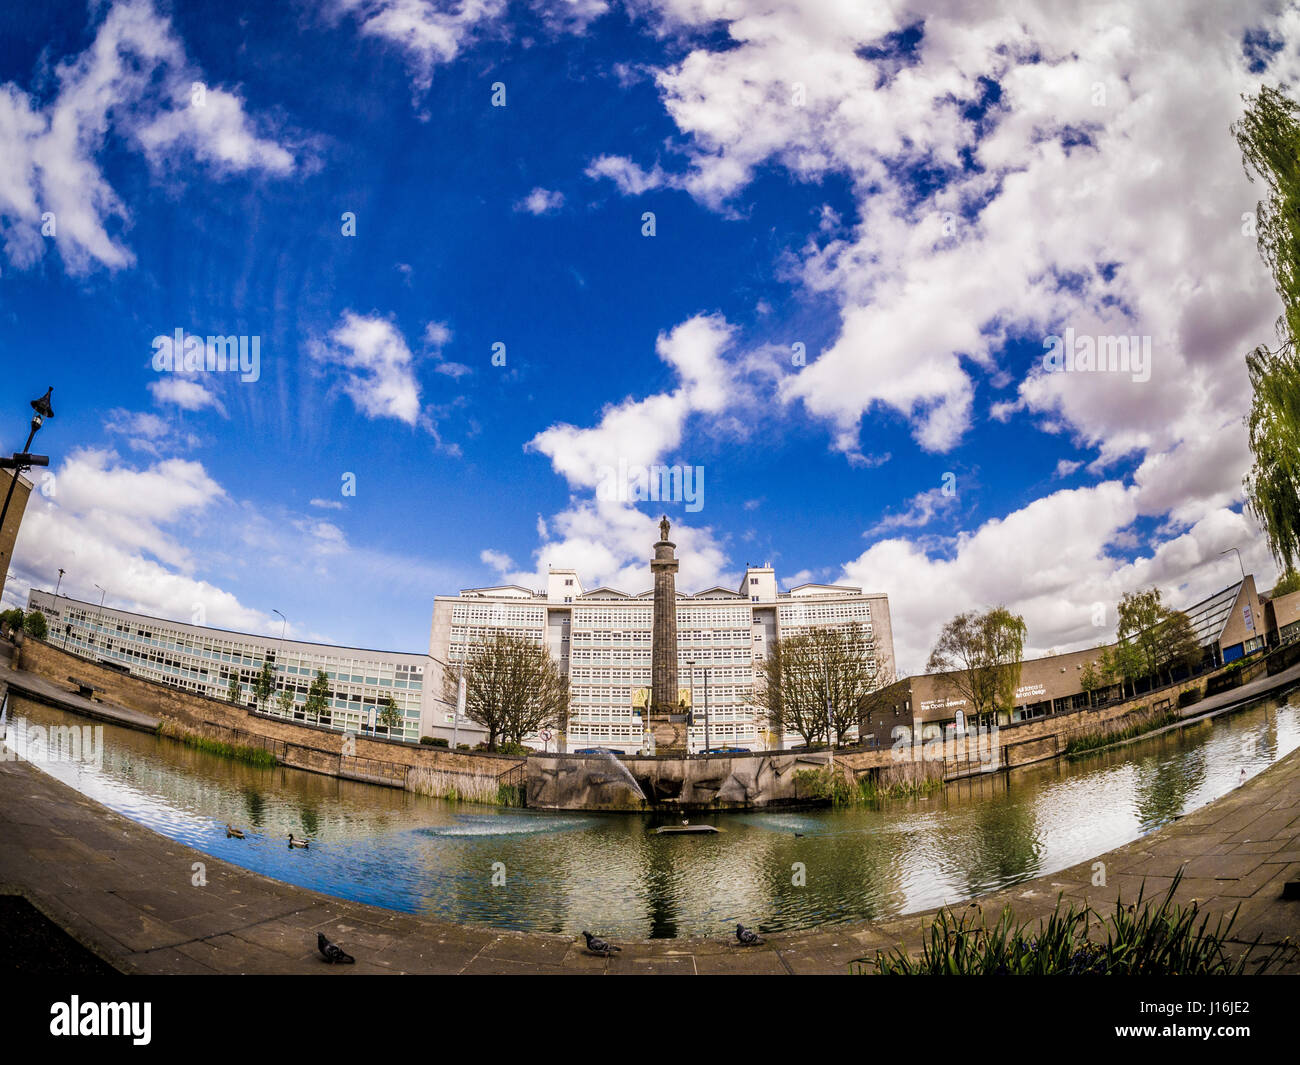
{"type": "Point", "coordinates": [321, 750]}
{"type": "Point", "coordinates": [722, 782]}
{"type": "Point", "coordinates": [1018, 744]}
{"type": "Point", "coordinates": [588, 782]}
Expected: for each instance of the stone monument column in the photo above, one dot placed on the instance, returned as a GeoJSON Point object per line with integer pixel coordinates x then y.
{"type": "Point", "coordinates": [666, 720]}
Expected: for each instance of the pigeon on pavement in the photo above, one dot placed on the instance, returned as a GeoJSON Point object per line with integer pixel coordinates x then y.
{"type": "Point", "coordinates": [746, 937]}
{"type": "Point", "coordinates": [596, 945]}
{"type": "Point", "coordinates": [332, 952]}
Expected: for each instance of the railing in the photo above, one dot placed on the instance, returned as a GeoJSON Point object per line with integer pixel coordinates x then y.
{"type": "Point", "coordinates": [515, 776]}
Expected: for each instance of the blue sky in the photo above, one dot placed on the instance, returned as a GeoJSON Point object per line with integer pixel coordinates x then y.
{"type": "Point", "coordinates": [917, 199]}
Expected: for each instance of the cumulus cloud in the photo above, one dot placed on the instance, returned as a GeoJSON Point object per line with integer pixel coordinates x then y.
{"type": "Point", "coordinates": [166, 539]}
{"type": "Point", "coordinates": [378, 369]}
{"type": "Point", "coordinates": [185, 393]}
{"type": "Point", "coordinates": [1013, 173]}
{"type": "Point", "coordinates": [132, 83]}
{"type": "Point", "coordinates": [431, 33]}
{"type": "Point", "coordinates": [639, 431]}
{"type": "Point", "coordinates": [541, 201]}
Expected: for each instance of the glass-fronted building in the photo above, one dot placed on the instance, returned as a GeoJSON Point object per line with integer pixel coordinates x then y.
{"type": "Point", "coordinates": [203, 660]}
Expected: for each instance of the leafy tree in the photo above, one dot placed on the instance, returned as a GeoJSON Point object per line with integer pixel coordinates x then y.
{"type": "Point", "coordinates": [284, 701]}
{"type": "Point", "coordinates": [512, 688]}
{"type": "Point", "coordinates": [318, 695]}
{"type": "Point", "coordinates": [1161, 639]}
{"type": "Point", "coordinates": [11, 620]}
{"type": "Point", "coordinates": [979, 656]}
{"type": "Point", "coordinates": [1176, 644]}
{"type": "Point", "coordinates": [821, 683]}
{"type": "Point", "coordinates": [1269, 138]}
{"type": "Point", "coordinates": [389, 715]}
{"type": "Point", "coordinates": [264, 686]}
{"type": "Point", "coordinates": [1286, 584]}
{"type": "Point", "coordinates": [34, 625]}
{"type": "Point", "coordinates": [1122, 665]}
{"type": "Point", "coordinates": [1091, 678]}
{"type": "Point", "coordinates": [233, 692]}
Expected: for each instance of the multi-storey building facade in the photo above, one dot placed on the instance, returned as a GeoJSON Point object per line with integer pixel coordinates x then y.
{"type": "Point", "coordinates": [602, 641]}
{"type": "Point", "coordinates": [203, 660]}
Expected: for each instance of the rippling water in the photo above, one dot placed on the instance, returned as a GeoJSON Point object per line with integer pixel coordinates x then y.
{"type": "Point", "coordinates": [566, 872]}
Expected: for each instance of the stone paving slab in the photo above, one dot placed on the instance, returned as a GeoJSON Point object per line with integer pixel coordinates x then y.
{"type": "Point", "coordinates": [125, 892]}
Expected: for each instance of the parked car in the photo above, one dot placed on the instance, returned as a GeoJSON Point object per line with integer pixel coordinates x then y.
{"type": "Point", "coordinates": [597, 750]}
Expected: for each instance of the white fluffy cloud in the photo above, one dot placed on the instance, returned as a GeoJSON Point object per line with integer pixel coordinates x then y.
{"type": "Point", "coordinates": [185, 393]}
{"type": "Point", "coordinates": [431, 33]}
{"type": "Point", "coordinates": [541, 201]}
{"type": "Point", "coordinates": [129, 530]}
{"type": "Point", "coordinates": [607, 540]}
{"type": "Point", "coordinates": [1097, 188]}
{"type": "Point", "coordinates": [378, 369]}
{"type": "Point", "coordinates": [134, 82]}
{"type": "Point", "coordinates": [640, 431]}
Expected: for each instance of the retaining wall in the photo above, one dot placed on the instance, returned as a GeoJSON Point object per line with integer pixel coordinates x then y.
{"type": "Point", "coordinates": [295, 743]}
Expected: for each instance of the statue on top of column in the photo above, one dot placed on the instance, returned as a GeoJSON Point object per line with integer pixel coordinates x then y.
{"type": "Point", "coordinates": [663, 528]}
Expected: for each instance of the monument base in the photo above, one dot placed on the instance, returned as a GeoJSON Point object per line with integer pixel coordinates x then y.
{"type": "Point", "coordinates": [670, 736]}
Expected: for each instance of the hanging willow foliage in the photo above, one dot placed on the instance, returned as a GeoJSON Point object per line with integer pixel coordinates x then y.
{"type": "Point", "coordinates": [1269, 138]}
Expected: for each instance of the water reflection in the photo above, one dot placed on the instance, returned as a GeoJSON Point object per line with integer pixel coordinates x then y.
{"type": "Point", "coordinates": [772, 870]}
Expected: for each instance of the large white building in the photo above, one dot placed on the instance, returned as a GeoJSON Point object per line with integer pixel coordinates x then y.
{"type": "Point", "coordinates": [601, 640]}
{"type": "Point", "coordinates": [203, 660]}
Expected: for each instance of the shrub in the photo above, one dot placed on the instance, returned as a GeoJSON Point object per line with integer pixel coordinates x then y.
{"type": "Point", "coordinates": [434, 741]}
{"type": "Point", "coordinates": [1192, 695]}
{"type": "Point", "coordinates": [34, 625]}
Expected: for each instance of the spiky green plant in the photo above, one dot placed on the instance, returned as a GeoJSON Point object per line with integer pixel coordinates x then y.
{"type": "Point", "coordinates": [1143, 937]}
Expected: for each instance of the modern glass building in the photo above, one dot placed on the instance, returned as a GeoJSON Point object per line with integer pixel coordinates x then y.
{"type": "Point", "coordinates": [602, 642]}
{"type": "Point", "coordinates": [203, 660]}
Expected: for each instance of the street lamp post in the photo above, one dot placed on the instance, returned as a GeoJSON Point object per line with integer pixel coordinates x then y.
{"type": "Point", "coordinates": [1239, 562]}
{"type": "Point", "coordinates": [708, 744]}
{"type": "Point", "coordinates": [99, 621]}
{"type": "Point", "coordinates": [25, 460]}
{"type": "Point", "coordinates": [279, 653]}
{"type": "Point", "coordinates": [691, 663]}
{"type": "Point", "coordinates": [460, 697]}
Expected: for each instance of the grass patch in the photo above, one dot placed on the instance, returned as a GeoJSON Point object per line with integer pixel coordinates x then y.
{"type": "Point", "coordinates": [827, 785]}
{"type": "Point", "coordinates": [1146, 938]}
{"type": "Point", "coordinates": [257, 756]}
{"type": "Point", "coordinates": [1093, 740]}
{"type": "Point", "coordinates": [457, 787]}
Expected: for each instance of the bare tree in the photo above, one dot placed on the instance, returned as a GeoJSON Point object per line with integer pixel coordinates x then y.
{"type": "Point", "coordinates": [512, 688]}
{"type": "Point", "coordinates": [819, 683]}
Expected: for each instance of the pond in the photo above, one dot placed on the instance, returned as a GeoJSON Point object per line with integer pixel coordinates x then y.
{"type": "Point", "coordinates": [563, 872]}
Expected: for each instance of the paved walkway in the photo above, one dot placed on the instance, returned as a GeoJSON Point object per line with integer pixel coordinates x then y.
{"type": "Point", "coordinates": [128, 894]}
{"type": "Point", "coordinates": [44, 690]}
